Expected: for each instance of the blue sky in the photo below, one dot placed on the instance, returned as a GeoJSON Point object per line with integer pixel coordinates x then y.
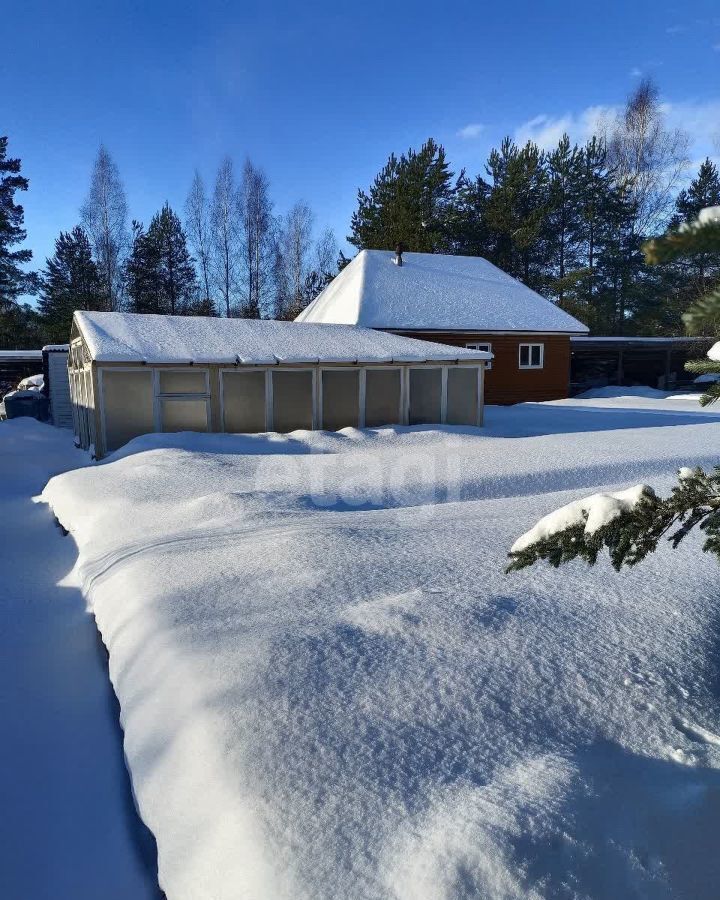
{"type": "Point", "coordinates": [319, 94]}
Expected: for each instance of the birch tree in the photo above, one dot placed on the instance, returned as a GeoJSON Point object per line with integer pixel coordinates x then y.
{"type": "Point", "coordinates": [256, 242]}
{"type": "Point", "coordinates": [104, 216]}
{"type": "Point", "coordinates": [649, 158]}
{"type": "Point", "coordinates": [292, 252]}
{"type": "Point", "coordinates": [197, 226]}
{"type": "Point", "coordinates": [225, 236]}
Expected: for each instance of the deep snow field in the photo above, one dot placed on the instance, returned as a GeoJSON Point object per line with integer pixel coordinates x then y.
{"type": "Point", "coordinates": [329, 688]}
{"type": "Point", "coordinates": [68, 829]}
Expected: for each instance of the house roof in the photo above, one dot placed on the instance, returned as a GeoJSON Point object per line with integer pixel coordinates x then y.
{"type": "Point", "coordinates": [134, 338]}
{"type": "Point", "coordinates": [434, 292]}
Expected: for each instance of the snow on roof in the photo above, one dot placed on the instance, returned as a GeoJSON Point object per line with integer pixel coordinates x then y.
{"type": "Point", "coordinates": [56, 348]}
{"type": "Point", "coordinates": [20, 354]}
{"type": "Point", "coordinates": [129, 337]}
{"type": "Point", "coordinates": [435, 292]}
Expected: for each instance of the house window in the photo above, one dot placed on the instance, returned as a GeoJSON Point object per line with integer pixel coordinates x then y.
{"type": "Point", "coordinates": [482, 345]}
{"type": "Point", "coordinates": [531, 356]}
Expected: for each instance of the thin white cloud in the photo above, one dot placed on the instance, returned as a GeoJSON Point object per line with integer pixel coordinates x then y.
{"type": "Point", "coordinates": [471, 131]}
{"type": "Point", "coordinates": [635, 73]}
{"type": "Point", "coordinates": [676, 29]}
{"type": "Point", "coordinates": [546, 131]}
{"type": "Point", "coordinates": [700, 119]}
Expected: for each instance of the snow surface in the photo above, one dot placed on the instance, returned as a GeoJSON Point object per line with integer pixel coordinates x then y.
{"type": "Point", "coordinates": [56, 348]}
{"type": "Point", "coordinates": [714, 352]}
{"type": "Point", "coordinates": [434, 291]}
{"type": "Point", "coordinates": [129, 337]}
{"type": "Point", "coordinates": [68, 829]}
{"type": "Point", "coordinates": [32, 382]}
{"type": "Point", "coordinates": [25, 392]}
{"type": "Point", "coordinates": [330, 689]}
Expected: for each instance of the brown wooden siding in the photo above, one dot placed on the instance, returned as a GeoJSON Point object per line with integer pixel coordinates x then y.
{"type": "Point", "coordinates": [506, 382]}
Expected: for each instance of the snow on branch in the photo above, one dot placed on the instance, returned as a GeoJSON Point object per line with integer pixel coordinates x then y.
{"type": "Point", "coordinates": [628, 523]}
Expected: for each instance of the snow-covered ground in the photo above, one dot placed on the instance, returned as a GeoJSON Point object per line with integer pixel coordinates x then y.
{"type": "Point", "coordinates": [330, 689]}
{"type": "Point", "coordinates": [68, 829]}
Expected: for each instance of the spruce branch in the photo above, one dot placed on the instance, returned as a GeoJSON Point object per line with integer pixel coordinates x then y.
{"type": "Point", "coordinates": [704, 313]}
{"type": "Point", "coordinates": [685, 241]}
{"type": "Point", "coordinates": [693, 502]}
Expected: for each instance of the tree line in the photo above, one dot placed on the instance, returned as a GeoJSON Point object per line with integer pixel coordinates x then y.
{"type": "Point", "coordinates": [230, 255]}
{"type": "Point", "coordinates": [569, 222]}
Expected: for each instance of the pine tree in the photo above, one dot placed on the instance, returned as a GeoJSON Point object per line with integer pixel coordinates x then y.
{"type": "Point", "coordinates": [699, 238]}
{"type": "Point", "coordinates": [516, 209]}
{"type": "Point", "coordinates": [22, 326]}
{"type": "Point", "coordinates": [406, 204]}
{"type": "Point", "coordinates": [160, 271]}
{"type": "Point", "coordinates": [592, 206]}
{"type": "Point", "coordinates": [14, 282]}
{"type": "Point", "coordinates": [635, 530]}
{"type": "Point", "coordinates": [563, 224]}
{"type": "Point", "coordinates": [700, 270]}
{"type": "Point", "coordinates": [466, 226]}
{"type": "Point", "coordinates": [70, 281]}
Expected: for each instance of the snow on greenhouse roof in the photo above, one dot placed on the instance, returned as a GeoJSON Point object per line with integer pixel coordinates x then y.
{"type": "Point", "coordinates": [130, 337]}
{"type": "Point", "coordinates": [434, 291]}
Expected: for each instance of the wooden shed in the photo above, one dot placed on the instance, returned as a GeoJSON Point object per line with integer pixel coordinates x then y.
{"type": "Point", "coordinates": [465, 301]}
{"type": "Point", "coordinates": [135, 374]}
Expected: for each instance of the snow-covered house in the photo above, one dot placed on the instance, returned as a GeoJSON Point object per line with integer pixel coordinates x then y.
{"type": "Point", "coordinates": [134, 374]}
{"type": "Point", "coordinates": [460, 300]}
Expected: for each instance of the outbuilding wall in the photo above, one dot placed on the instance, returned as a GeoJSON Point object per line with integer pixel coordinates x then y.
{"type": "Point", "coordinates": [506, 382]}
{"type": "Point", "coordinates": [57, 387]}
{"type": "Point", "coordinates": [134, 399]}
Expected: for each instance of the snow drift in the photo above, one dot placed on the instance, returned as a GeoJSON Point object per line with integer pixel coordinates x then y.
{"type": "Point", "coordinates": [329, 688]}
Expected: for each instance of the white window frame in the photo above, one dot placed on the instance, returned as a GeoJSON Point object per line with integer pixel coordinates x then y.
{"type": "Point", "coordinates": [159, 397]}
{"type": "Point", "coordinates": [530, 362]}
{"type": "Point", "coordinates": [245, 370]}
{"type": "Point", "coordinates": [184, 394]}
{"type": "Point", "coordinates": [482, 345]}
